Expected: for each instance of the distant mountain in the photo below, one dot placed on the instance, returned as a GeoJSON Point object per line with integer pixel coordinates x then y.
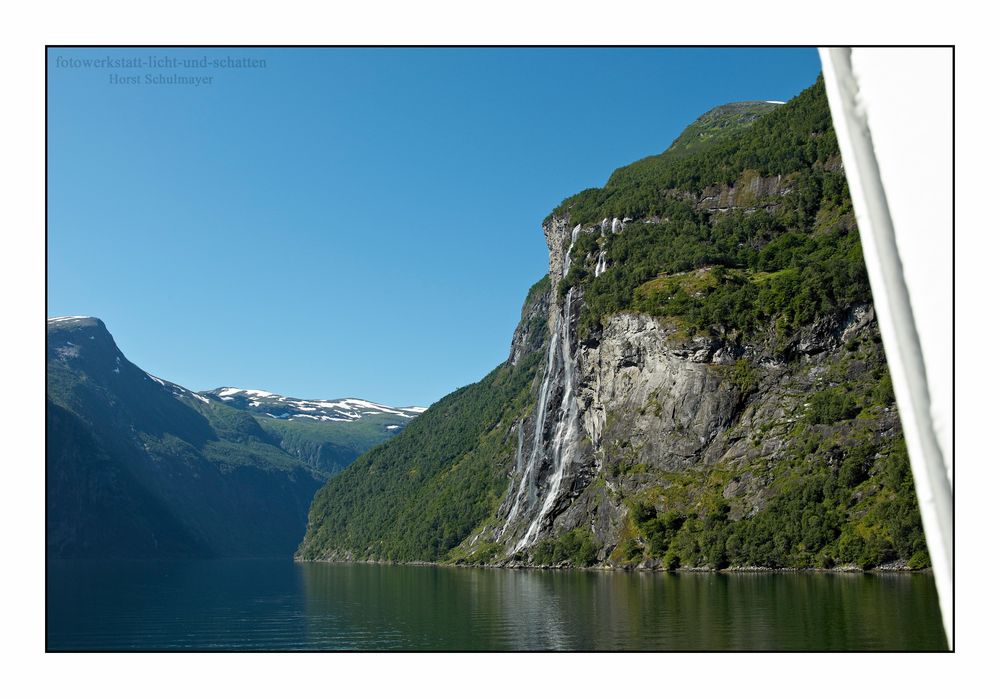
{"type": "Point", "coordinates": [280, 407]}
{"type": "Point", "coordinates": [138, 466]}
{"type": "Point", "coordinates": [327, 434]}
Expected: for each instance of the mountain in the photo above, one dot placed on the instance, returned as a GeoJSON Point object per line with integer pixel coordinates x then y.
{"type": "Point", "coordinates": [723, 121]}
{"type": "Point", "coordinates": [281, 407]}
{"type": "Point", "coordinates": [699, 382]}
{"type": "Point", "coordinates": [416, 497]}
{"type": "Point", "coordinates": [138, 466]}
{"type": "Point", "coordinates": [327, 434]}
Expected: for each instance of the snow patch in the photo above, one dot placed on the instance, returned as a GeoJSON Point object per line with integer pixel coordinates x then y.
{"type": "Point", "coordinates": [345, 410]}
{"type": "Point", "coordinates": [236, 391]}
{"type": "Point", "coordinates": [67, 318]}
{"type": "Point", "coordinates": [259, 393]}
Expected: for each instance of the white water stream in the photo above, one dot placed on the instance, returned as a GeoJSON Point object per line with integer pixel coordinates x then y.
{"type": "Point", "coordinates": [560, 450]}
{"type": "Point", "coordinates": [602, 264]}
{"type": "Point", "coordinates": [564, 440]}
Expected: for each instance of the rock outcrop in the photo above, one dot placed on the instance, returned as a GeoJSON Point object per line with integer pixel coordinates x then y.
{"type": "Point", "coordinates": [649, 400]}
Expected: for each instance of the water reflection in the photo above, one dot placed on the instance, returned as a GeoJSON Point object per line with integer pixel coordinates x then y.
{"type": "Point", "coordinates": [277, 604]}
{"type": "Point", "coordinates": [444, 608]}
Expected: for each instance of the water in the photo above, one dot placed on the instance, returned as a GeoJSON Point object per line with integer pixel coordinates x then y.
{"type": "Point", "coordinates": [602, 263]}
{"type": "Point", "coordinates": [518, 469]}
{"type": "Point", "coordinates": [536, 446]}
{"type": "Point", "coordinates": [282, 605]}
{"type": "Point", "coordinates": [562, 448]}
{"type": "Point", "coordinates": [566, 433]}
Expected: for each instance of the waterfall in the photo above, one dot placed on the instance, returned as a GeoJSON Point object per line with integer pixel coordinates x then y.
{"type": "Point", "coordinates": [516, 506]}
{"type": "Point", "coordinates": [569, 250]}
{"type": "Point", "coordinates": [602, 264]}
{"type": "Point", "coordinates": [562, 446]}
{"type": "Point", "coordinates": [558, 452]}
{"type": "Point", "coordinates": [520, 445]}
{"type": "Point", "coordinates": [536, 444]}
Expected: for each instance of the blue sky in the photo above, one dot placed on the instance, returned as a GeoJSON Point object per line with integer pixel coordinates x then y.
{"type": "Point", "coordinates": [347, 222]}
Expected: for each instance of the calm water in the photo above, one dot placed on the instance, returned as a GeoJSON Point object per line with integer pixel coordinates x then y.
{"type": "Point", "coordinates": [282, 605]}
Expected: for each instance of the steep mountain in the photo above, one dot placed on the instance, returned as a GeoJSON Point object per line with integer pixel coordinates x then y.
{"type": "Point", "coordinates": [699, 383]}
{"type": "Point", "coordinates": [416, 497]}
{"type": "Point", "coordinates": [139, 467]}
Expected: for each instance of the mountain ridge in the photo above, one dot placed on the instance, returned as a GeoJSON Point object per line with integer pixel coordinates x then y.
{"type": "Point", "coordinates": [139, 466]}
{"type": "Point", "coordinates": [341, 409]}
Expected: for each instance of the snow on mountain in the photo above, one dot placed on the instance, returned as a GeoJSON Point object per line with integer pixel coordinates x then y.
{"type": "Point", "coordinates": [177, 390]}
{"type": "Point", "coordinates": [68, 318]}
{"type": "Point", "coordinates": [282, 407]}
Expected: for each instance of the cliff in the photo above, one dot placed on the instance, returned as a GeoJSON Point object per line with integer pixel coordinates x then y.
{"type": "Point", "coordinates": [709, 391]}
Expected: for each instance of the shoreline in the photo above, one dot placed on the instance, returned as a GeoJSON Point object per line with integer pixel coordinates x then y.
{"type": "Point", "coordinates": [842, 570]}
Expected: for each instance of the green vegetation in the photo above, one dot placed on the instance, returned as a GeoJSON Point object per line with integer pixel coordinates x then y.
{"type": "Point", "coordinates": [721, 122]}
{"type": "Point", "coordinates": [841, 492]}
{"type": "Point", "coordinates": [419, 495]}
{"type": "Point", "coordinates": [483, 555]}
{"type": "Point", "coordinates": [792, 138]}
{"type": "Point", "coordinates": [577, 547]}
{"type": "Point", "coordinates": [831, 406]}
{"type": "Point", "coordinates": [771, 264]}
{"type": "Point", "coordinates": [141, 468]}
{"type": "Point", "coordinates": [327, 446]}
{"type": "Point", "coordinates": [534, 323]}
{"type": "Point", "coordinates": [743, 231]}
{"type": "Point", "coordinates": [743, 375]}
{"type": "Point", "coordinates": [858, 510]}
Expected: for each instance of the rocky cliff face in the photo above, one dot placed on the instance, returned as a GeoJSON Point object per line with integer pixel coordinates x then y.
{"type": "Point", "coordinates": [699, 382]}
{"type": "Point", "coordinates": [531, 331]}
{"type": "Point", "coordinates": [649, 401]}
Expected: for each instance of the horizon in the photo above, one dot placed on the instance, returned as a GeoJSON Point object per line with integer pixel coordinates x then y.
{"type": "Point", "coordinates": [233, 234]}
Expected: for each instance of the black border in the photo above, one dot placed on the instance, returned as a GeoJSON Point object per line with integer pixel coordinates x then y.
{"type": "Point", "coordinates": [953, 47]}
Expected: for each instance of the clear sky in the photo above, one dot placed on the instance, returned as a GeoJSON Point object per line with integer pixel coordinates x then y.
{"type": "Point", "coordinates": [346, 222]}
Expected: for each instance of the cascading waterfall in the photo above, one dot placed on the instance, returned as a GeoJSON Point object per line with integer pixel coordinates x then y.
{"type": "Point", "coordinates": [566, 431]}
{"type": "Point", "coordinates": [602, 263]}
{"type": "Point", "coordinates": [520, 468]}
{"type": "Point", "coordinates": [559, 452]}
